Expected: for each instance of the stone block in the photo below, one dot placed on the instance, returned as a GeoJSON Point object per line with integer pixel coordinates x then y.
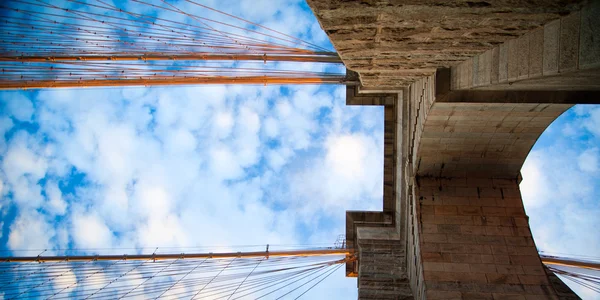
{"type": "Point", "coordinates": [452, 248]}
{"type": "Point", "coordinates": [523, 231]}
{"type": "Point", "coordinates": [495, 66]}
{"type": "Point", "coordinates": [503, 296]}
{"type": "Point", "coordinates": [501, 259]}
{"type": "Point", "coordinates": [513, 60]}
{"type": "Point", "coordinates": [534, 270]}
{"type": "Point", "coordinates": [485, 68]}
{"type": "Point", "coordinates": [461, 239]}
{"type": "Point", "coordinates": [435, 257]}
{"type": "Point", "coordinates": [445, 228]}
{"type": "Point", "coordinates": [466, 258]}
{"type": "Point", "coordinates": [494, 211]}
{"type": "Point", "coordinates": [487, 259]}
{"type": "Point", "coordinates": [484, 201]}
{"type": "Point", "coordinates": [491, 240]}
{"type": "Point", "coordinates": [433, 266]}
{"type": "Point", "coordinates": [495, 230]}
{"type": "Point", "coordinates": [473, 230]}
{"type": "Point", "coordinates": [569, 43]}
{"type": "Point", "coordinates": [499, 249]}
{"type": "Point", "coordinates": [515, 211]}
{"type": "Point", "coordinates": [541, 297]}
{"type": "Point", "coordinates": [466, 76]}
{"type": "Point", "coordinates": [503, 63]}
{"type": "Point", "coordinates": [476, 296]}
{"type": "Point", "coordinates": [434, 238]}
{"type": "Point", "coordinates": [536, 52]}
{"type": "Point", "coordinates": [478, 249]}
{"type": "Point", "coordinates": [475, 72]}
{"type": "Point", "coordinates": [429, 228]}
{"type": "Point", "coordinates": [510, 269]}
{"type": "Point", "coordinates": [456, 267]}
{"type": "Point", "coordinates": [551, 43]}
{"type": "Point", "coordinates": [456, 201]}
{"type": "Point", "coordinates": [469, 210]}
{"type": "Point", "coordinates": [533, 279]}
{"type": "Point", "coordinates": [589, 41]}
{"type": "Point", "coordinates": [518, 241]}
{"type": "Point", "coordinates": [461, 220]}
{"type": "Point", "coordinates": [446, 295]}
{"type": "Point", "coordinates": [445, 210]}
{"type": "Point", "coordinates": [525, 260]}
{"type": "Point", "coordinates": [522, 250]}
{"type": "Point", "coordinates": [502, 278]}
{"type": "Point", "coordinates": [427, 209]}
{"type": "Point", "coordinates": [523, 57]}
{"type": "Point", "coordinates": [454, 78]}
{"type": "Point", "coordinates": [483, 268]}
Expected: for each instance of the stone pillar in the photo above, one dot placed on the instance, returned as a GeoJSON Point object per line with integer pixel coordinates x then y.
{"type": "Point", "coordinates": [468, 235]}
{"type": "Point", "coordinates": [453, 224]}
{"type": "Point", "coordinates": [476, 242]}
{"type": "Point", "coordinates": [382, 264]}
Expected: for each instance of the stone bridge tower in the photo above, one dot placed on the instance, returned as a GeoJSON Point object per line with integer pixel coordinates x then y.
{"type": "Point", "coordinates": [468, 87]}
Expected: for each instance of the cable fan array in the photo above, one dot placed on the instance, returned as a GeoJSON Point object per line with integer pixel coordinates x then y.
{"type": "Point", "coordinates": [581, 270]}
{"type": "Point", "coordinates": [580, 277]}
{"type": "Point", "coordinates": [79, 43]}
{"type": "Point", "coordinates": [188, 278]}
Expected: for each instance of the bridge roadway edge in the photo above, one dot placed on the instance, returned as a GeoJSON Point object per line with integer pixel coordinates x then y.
{"type": "Point", "coordinates": [455, 226]}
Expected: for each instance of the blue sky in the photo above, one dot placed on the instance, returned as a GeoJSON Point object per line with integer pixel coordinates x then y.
{"type": "Point", "coordinates": [184, 167]}
{"type": "Point", "coordinates": [561, 187]}
{"type": "Point", "coordinates": [239, 165]}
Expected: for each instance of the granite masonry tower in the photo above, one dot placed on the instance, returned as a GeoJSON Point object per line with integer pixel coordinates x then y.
{"type": "Point", "coordinates": [468, 87]}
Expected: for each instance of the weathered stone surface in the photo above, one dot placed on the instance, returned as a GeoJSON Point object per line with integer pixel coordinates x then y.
{"type": "Point", "coordinates": [589, 41]}
{"type": "Point", "coordinates": [569, 43]}
{"type": "Point", "coordinates": [453, 225]}
{"type": "Point", "coordinates": [382, 264]}
{"type": "Point", "coordinates": [523, 56]}
{"type": "Point", "coordinates": [503, 63]}
{"type": "Point", "coordinates": [536, 52]}
{"type": "Point", "coordinates": [551, 38]}
{"type": "Point", "coordinates": [481, 139]}
{"type": "Point", "coordinates": [495, 67]}
{"type": "Point", "coordinates": [513, 59]}
{"type": "Point", "coordinates": [546, 58]}
{"type": "Point", "coordinates": [393, 43]}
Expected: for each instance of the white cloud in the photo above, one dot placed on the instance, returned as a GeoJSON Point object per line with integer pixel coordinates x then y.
{"type": "Point", "coordinates": [223, 124]}
{"type": "Point", "coordinates": [346, 156]}
{"type": "Point", "coordinates": [152, 200]}
{"type": "Point", "coordinates": [20, 106]}
{"type": "Point", "coordinates": [223, 163]}
{"type": "Point", "coordinates": [54, 200]}
{"type": "Point", "coordinates": [5, 125]}
{"type": "Point", "coordinates": [163, 229]}
{"type": "Point", "coordinates": [247, 141]}
{"type": "Point", "coordinates": [30, 230]}
{"type": "Point", "coordinates": [278, 158]}
{"type": "Point", "coordinates": [592, 123]}
{"type": "Point", "coordinates": [65, 280]}
{"type": "Point", "coordinates": [534, 184]}
{"type": "Point", "coordinates": [24, 165]}
{"type": "Point", "coordinates": [588, 160]}
{"type": "Point", "coordinates": [90, 231]}
{"type": "Point", "coordinates": [271, 127]}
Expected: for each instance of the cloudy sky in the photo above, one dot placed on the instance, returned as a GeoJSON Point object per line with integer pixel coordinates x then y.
{"type": "Point", "coordinates": [239, 165]}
